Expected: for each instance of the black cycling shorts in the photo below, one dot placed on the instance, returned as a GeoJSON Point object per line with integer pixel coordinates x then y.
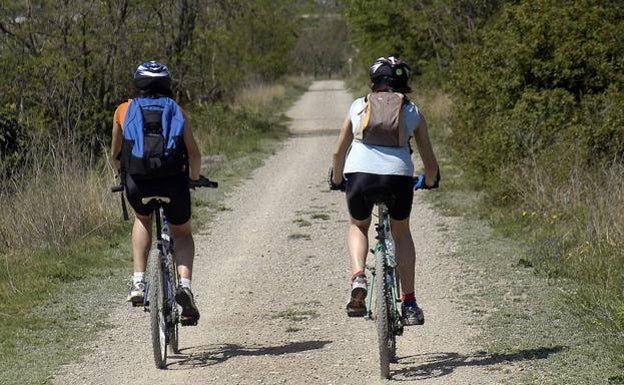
{"type": "Point", "coordinates": [362, 189]}
{"type": "Point", "coordinates": [177, 212]}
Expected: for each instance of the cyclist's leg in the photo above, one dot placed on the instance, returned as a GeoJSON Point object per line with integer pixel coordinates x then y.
{"type": "Point", "coordinates": [406, 257]}
{"type": "Point", "coordinates": [179, 216]}
{"type": "Point", "coordinates": [141, 237]}
{"type": "Point", "coordinates": [184, 250]}
{"type": "Point", "coordinates": [405, 253]}
{"type": "Point", "coordinates": [357, 239]}
{"type": "Point", "coordinates": [357, 242]}
{"type": "Point", "coordinates": [360, 210]}
{"type": "Point", "coordinates": [178, 213]}
{"type": "Point", "coordinates": [141, 240]}
{"type": "Point", "coordinates": [400, 209]}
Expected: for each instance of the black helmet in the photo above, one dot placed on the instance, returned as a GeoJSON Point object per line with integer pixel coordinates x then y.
{"type": "Point", "coordinates": [392, 72]}
{"type": "Point", "coordinates": [152, 75]}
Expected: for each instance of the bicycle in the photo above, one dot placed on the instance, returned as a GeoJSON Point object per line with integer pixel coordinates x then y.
{"type": "Point", "coordinates": [162, 281]}
{"type": "Point", "coordinates": [382, 303]}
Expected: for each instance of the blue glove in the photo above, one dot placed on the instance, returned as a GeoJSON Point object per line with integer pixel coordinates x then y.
{"type": "Point", "coordinates": [419, 182]}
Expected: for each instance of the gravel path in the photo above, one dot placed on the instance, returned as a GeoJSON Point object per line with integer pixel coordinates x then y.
{"type": "Point", "coordinates": [271, 281]}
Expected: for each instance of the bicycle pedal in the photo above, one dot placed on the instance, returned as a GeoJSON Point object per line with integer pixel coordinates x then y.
{"type": "Point", "coordinates": [188, 322]}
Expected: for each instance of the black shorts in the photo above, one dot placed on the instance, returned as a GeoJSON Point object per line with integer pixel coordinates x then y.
{"type": "Point", "coordinates": [362, 189]}
{"type": "Point", "coordinates": [177, 212]}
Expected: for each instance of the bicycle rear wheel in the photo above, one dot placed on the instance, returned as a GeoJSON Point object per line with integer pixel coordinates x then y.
{"type": "Point", "coordinates": [385, 337]}
{"type": "Point", "coordinates": [173, 324]}
{"type": "Point", "coordinates": [158, 323]}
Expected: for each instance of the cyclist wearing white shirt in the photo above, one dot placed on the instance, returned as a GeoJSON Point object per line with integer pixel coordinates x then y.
{"type": "Point", "coordinates": [367, 169]}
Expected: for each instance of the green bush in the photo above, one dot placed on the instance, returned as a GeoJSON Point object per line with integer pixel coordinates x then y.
{"type": "Point", "coordinates": [425, 33]}
{"type": "Point", "coordinates": [533, 85]}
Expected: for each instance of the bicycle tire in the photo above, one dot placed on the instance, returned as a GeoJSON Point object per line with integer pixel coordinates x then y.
{"type": "Point", "coordinates": [174, 336]}
{"type": "Point", "coordinates": [156, 295]}
{"type": "Point", "coordinates": [382, 321]}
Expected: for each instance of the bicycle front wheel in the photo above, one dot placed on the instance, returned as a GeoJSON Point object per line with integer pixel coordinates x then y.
{"type": "Point", "coordinates": [385, 337]}
{"type": "Point", "coordinates": [156, 295]}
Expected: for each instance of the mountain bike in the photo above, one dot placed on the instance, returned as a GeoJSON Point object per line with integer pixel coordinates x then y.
{"type": "Point", "coordinates": [162, 280]}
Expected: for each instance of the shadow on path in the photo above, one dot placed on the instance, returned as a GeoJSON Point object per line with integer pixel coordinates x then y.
{"type": "Point", "coordinates": [207, 355]}
{"type": "Point", "coordinates": [424, 366]}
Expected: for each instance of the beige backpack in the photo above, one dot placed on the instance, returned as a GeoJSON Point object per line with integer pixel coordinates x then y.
{"type": "Point", "coordinates": [381, 121]}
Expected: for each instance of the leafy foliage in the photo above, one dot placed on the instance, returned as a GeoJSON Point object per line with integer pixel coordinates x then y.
{"type": "Point", "coordinates": [532, 88]}
{"type": "Point", "coordinates": [425, 33]}
{"type": "Point", "coordinates": [67, 64]}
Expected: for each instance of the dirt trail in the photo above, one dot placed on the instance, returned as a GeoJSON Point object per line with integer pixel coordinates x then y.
{"type": "Point", "coordinates": [271, 283]}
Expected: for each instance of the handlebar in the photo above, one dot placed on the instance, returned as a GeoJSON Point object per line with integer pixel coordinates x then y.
{"type": "Point", "coordinates": [201, 182]}
{"type": "Point", "coordinates": [418, 182]}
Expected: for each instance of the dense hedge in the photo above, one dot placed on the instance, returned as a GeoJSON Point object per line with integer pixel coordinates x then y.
{"type": "Point", "coordinates": [544, 84]}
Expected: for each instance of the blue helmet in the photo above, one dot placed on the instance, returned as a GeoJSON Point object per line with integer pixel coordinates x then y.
{"type": "Point", "coordinates": [152, 75]}
{"type": "Point", "coordinates": [392, 72]}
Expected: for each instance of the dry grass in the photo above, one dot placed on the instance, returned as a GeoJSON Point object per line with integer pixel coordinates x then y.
{"type": "Point", "coordinates": [578, 232]}
{"type": "Point", "coordinates": [54, 201]}
{"type": "Point", "coordinates": [257, 97]}
{"type": "Point", "coordinates": [589, 205]}
{"type": "Point", "coordinates": [436, 107]}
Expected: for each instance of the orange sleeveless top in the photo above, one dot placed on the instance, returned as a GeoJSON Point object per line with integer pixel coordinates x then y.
{"type": "Point", "coordinates": [120, 113]}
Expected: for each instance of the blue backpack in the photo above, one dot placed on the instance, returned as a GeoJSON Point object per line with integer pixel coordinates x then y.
{"type": "Point", "coordinates": [153, 143]}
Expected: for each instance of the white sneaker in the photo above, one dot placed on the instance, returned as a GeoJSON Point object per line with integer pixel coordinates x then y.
{"type": "Point", "coordinates": [137, 294]}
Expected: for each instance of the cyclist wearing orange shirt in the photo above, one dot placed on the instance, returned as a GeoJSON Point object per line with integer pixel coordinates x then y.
{"type": "Point", "coordinates": [153, 80]}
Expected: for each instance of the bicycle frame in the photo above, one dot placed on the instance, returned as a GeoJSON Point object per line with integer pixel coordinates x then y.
{"type": "Point", "coordinates": [164, 244]}
{"type": "Point", "coordinates": [385, 246]}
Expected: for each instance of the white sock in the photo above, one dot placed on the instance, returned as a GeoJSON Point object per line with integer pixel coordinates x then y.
{"type": "Point", "coordinates": [138, 276]}
{"type": "Point", "coordinates": [185, 282]}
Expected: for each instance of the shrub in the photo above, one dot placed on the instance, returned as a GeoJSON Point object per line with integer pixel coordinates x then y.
{"type": "Point", "coordinates": [532, 85]}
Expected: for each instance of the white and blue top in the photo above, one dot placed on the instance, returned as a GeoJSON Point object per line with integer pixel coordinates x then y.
{"type": "Point", "coordinates": [381, 160]}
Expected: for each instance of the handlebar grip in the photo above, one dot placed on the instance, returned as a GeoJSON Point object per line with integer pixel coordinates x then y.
{"type": "Point", "coordinates": [203, 182]}
{"type": "Point", "coordinates": [117, 188]}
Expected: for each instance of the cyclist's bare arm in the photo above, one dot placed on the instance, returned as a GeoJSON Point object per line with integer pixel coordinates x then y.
{"type": "Point", "coordinates": [194, 155]}
{"type": "Point", "coordinates": [340, 150]}
{"type": "Point", "coordinates": [117, 139]}
{"type": "Point", "coordinates": [426, 152]}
